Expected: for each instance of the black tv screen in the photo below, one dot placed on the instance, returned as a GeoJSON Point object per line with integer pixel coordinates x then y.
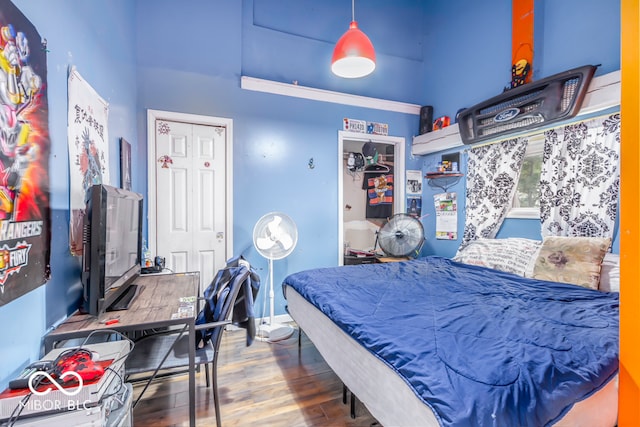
{"type": "Point", "coordinates": [112, 245]}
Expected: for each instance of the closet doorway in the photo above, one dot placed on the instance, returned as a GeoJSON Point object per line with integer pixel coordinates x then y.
{"type": "Point", "coordinates": [358, 222]}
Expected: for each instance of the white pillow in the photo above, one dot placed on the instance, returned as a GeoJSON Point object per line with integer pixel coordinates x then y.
{"type": "Point", "coordinates": [513, 254]}
{"type": "Point", "coordinates": [610, 273]}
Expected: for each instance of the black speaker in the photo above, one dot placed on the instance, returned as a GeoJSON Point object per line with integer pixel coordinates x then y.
{"type": "Point", "coordinates": [426, 119]}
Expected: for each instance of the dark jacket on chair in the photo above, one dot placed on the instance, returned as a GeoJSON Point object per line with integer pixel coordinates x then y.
{"type": "Point", "coordinates": [222, 286]}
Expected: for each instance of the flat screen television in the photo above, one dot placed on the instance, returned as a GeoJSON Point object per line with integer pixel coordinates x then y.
{"type": "Point", "coordinates": [112, 246]}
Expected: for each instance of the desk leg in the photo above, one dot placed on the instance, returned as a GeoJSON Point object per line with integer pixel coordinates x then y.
{"type": "Point", "coordinates": [192, 374]}
{"type": "Point", "coordinates": [48, 345]}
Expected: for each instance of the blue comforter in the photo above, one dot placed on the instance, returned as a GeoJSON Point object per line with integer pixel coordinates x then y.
{"type": "Point", "coordinates": [479, 346]}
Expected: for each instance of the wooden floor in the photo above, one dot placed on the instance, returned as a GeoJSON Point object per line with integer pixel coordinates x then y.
{"type": "Point", "coordinates": [261, 385]}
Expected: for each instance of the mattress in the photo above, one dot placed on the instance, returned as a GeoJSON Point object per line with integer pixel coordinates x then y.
{"type": "Point", "coordinates": [385, 389]}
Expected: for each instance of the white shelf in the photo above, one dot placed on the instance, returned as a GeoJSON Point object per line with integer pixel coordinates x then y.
{"type": "Point", "coordinates": [299, 91]}
{"type": "Point", "coordinates": [603, 93]}
{"type": "Point", "coordinates": [437, 140]}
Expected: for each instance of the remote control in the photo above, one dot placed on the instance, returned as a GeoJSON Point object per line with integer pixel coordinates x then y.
{"type": "Point", "coordinates": [23, 379]}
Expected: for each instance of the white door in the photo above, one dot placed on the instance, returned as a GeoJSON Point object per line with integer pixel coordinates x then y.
{"type": "Point", "coordinates": [190, 196]}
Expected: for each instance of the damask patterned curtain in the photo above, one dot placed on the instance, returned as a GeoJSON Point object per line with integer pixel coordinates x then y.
{"type": "Point", "coordinates": [580, 178]}
{"type": "Point", "coordinates": [492, 177]}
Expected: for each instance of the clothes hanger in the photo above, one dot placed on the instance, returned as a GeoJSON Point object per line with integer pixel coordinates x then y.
{"type": "Point", "coordinates": [385, 168]}
{"type": "Point", "coordinates": [375, 162]}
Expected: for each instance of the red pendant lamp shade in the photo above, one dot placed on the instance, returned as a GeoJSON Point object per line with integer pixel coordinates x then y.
{"type": "Point", "coordinates": [353, 55]}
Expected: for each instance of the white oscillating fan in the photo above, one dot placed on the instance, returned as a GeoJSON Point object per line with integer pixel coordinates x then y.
{"type": "Point", "coordinates": [274, 236]}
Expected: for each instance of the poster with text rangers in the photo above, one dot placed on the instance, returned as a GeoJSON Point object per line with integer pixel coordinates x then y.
{"type": "Point", "coordinates": [24, 157]}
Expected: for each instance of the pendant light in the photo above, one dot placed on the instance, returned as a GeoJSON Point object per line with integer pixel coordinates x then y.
{"type": "Point", "coordinates": [353, 55]}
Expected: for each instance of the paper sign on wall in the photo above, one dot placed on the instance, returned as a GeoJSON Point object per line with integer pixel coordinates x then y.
{"type": "Point", "coordinates": [414, 193]}
{"type": "Point", "coordinates": [446, 205]}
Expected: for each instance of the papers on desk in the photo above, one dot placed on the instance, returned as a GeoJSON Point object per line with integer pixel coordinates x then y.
{"type": "Point", "coordinates": [186, 308]}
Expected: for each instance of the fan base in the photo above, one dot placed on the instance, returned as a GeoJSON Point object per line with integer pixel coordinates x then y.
{"type": "Point", "coordinates": [273, 333]}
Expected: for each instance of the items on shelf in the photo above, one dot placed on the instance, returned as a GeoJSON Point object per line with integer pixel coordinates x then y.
{"type": "Point", "coordinates": [447, 172]}
{"type": "Point", "coordinates": [360, 253]}
{"type": "Point", "coordinates": [441, 122]}
{"type": "Point", "coordinates": [447, 166]}
{"type": "Point", "coordinates": [450, 162]}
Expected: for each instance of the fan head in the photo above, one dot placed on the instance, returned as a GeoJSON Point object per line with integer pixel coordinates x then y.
{"type": "Point", "coordinates": [275, 235]}
{"type": "Point", "coordinates": [401, 235]}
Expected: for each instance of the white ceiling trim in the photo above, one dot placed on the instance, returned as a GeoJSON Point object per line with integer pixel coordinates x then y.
{"type": "Point", "coordinates": [297, 91]}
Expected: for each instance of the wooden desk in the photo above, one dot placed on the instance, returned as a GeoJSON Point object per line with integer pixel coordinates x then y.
{"type": "Point", "coordinates": [157, 305]}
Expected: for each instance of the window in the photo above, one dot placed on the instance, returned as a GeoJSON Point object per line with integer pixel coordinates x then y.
{"type": "Point", "coordinates": [526, 201]}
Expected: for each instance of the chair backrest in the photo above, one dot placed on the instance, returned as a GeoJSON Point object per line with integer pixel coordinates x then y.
{"type": "Point", "coordinates": [220, 297]}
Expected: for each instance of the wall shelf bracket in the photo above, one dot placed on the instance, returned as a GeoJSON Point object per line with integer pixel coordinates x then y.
{"type": "Point", "coordinates": [443, 181]}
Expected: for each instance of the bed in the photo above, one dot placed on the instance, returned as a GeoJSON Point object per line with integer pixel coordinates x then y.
{"type": "Point", "coordinates": [437, 342]}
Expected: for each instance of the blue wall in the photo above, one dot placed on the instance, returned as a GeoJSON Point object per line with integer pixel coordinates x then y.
{"type": "Point", "coordinates": [292, 40]}
{"type": "Point", "coordinates": [156, 54]}
{"type": "Point", "coordinates": [275, 136]}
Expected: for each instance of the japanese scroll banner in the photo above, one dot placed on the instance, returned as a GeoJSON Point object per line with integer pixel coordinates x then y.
{"type": "Point", "coordinates": [88, 150]}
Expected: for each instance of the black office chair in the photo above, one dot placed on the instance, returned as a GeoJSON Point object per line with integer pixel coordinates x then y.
{"type": "Point", "coordinates": [168, 350]}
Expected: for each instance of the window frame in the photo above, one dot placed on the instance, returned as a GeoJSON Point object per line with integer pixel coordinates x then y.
{"type": "Point", "coordinates": [535, 147]}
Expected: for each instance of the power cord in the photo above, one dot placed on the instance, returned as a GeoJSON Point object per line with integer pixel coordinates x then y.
{"type": "Point", "coordinates": [23, 403]}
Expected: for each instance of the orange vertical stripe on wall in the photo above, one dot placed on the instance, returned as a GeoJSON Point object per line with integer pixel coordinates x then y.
{"type": "Point", "coordinates": [629, 388]}
{"type": "Point", "coordinates": [522, 33]}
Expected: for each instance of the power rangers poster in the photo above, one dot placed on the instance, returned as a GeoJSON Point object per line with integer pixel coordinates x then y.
{"type": "Point", "coordinates": [88, 149]}
{"type": "Point", "coordinates": [24, 157]}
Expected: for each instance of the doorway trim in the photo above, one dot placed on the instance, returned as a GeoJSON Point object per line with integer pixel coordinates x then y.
{"type": "Point", "coordinates": [398, 143]}
{"type": "Point", "coordinates": [152, 116]}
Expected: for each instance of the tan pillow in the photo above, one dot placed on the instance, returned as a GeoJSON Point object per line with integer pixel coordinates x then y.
{"type": "Point", "coordinates": [576, 260]}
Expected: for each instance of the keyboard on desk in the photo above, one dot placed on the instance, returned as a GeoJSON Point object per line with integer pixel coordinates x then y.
{"type": "Point", "coordinates": [124, 301]}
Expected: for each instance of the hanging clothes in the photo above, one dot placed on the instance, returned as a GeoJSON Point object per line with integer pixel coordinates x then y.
{"type": "Point", "coordinates": [378, 183]}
